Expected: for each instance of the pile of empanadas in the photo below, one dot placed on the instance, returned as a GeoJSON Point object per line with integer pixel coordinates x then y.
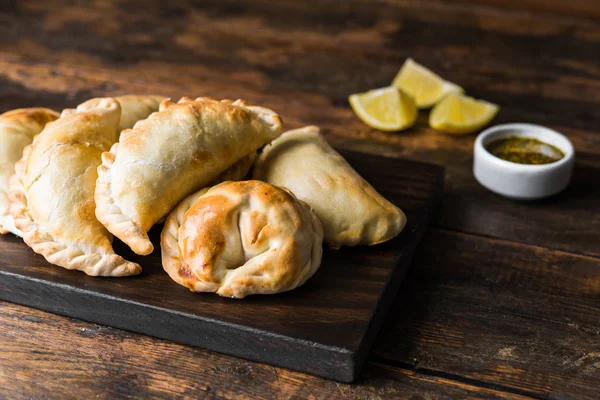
{"type": "Point", "coordinates": [117, 166]}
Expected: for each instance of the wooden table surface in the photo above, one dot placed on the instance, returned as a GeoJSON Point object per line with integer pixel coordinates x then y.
{"type": "Point", "coordinates": [503, 298]}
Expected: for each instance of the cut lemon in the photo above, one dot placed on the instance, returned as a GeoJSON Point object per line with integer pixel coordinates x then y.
{"type": "Point", "coordinates": [386, 109]}
{"type": "Point", "coordinates": [423, 85]}
{"type": "Point", "coordinates": [460, 114]}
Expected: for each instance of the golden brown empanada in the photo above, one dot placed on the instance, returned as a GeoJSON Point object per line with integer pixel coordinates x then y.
{"type": "Point", "coordinates": [52, 192]}
{"type": "Point", "coordinates": [351, 210]}
{"type": "Point", "coordinates": [17, 129]}
{"type": "Point", "coordinates": [241, 238]}
{"type": "Point", "coordinates": [135, 107]}
{"type": "Point", "coordinates": [171, 154]}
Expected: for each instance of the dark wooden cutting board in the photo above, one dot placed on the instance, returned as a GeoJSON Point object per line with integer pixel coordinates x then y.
{"type": "Point", "coordinates": [325, 327]}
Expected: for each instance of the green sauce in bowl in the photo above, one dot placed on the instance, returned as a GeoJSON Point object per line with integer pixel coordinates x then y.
{"type": "Point", "coordinates": [524, 150]}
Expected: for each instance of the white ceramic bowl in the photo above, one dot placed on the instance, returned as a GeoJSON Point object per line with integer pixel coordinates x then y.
{"type": "Point", "coordinates": [522, 181]}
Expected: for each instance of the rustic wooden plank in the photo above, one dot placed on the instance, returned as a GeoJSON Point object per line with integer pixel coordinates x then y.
{"type": "Point", "coordinates": [587, 9]}
{"type": "Point", "coordinates": [552, 10]}
{"type": "Point", "coordinates": [518, 316]}
{"type": "Point", "coordinates": [43, 354]}
{"type": "Point", "coordinates": [271, 40]}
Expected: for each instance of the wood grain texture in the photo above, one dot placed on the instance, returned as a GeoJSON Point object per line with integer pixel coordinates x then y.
{"type": "Point", "coordinates": [528, 302]}
{"type": "Point", "coordinates": [518, 316]}
{"type": "Point", "coordinates": [325, 327]}
{"type": "Point", "coordinates": [587, 9]}
{"type": "Point", "coordinates": [108, 363]}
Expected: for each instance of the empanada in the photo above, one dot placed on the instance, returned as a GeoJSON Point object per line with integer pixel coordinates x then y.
{"type": "Point", "coordinates": [17, 129]}
{"type": "Point", "coordinates": [352, 211]}
{"type": "Point", "coordinates": [135, 107]}
{"type": "Point", "coordinates": [241, 238]}
{"type": "Point", "coordinates": [171, 154]}
{"type": "Point", "coordinates": [52, 192]}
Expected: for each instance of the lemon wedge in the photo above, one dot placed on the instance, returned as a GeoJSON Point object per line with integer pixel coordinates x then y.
{"type": "Point", "coordinates": [386, 109]}
{"type": "Point", "coordinates": [423, 85]}
{"type": "Point", "coordinates": [460, 114]}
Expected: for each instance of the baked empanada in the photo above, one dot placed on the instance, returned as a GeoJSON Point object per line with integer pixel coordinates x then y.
{"type": "Point", "coordinates": [352, 211]}
{"type": "Point", "coordinates": [17, 129]}
{"type": "Point", "coordinates": [136, 107]}
{"type": "Point", "coordinates": [171, 154]}
{"type": "Point", "coordinates": [52, 192]}
{"type": "Point", "coordinates": [241, 238]}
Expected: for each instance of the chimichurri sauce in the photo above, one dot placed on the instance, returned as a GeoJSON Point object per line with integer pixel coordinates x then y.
{"type": "Point", "coordinates": [524, 150]}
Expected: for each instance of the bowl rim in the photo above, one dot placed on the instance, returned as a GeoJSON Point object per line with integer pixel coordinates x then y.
{"type": "Point", "coordinates": [532, 130]}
